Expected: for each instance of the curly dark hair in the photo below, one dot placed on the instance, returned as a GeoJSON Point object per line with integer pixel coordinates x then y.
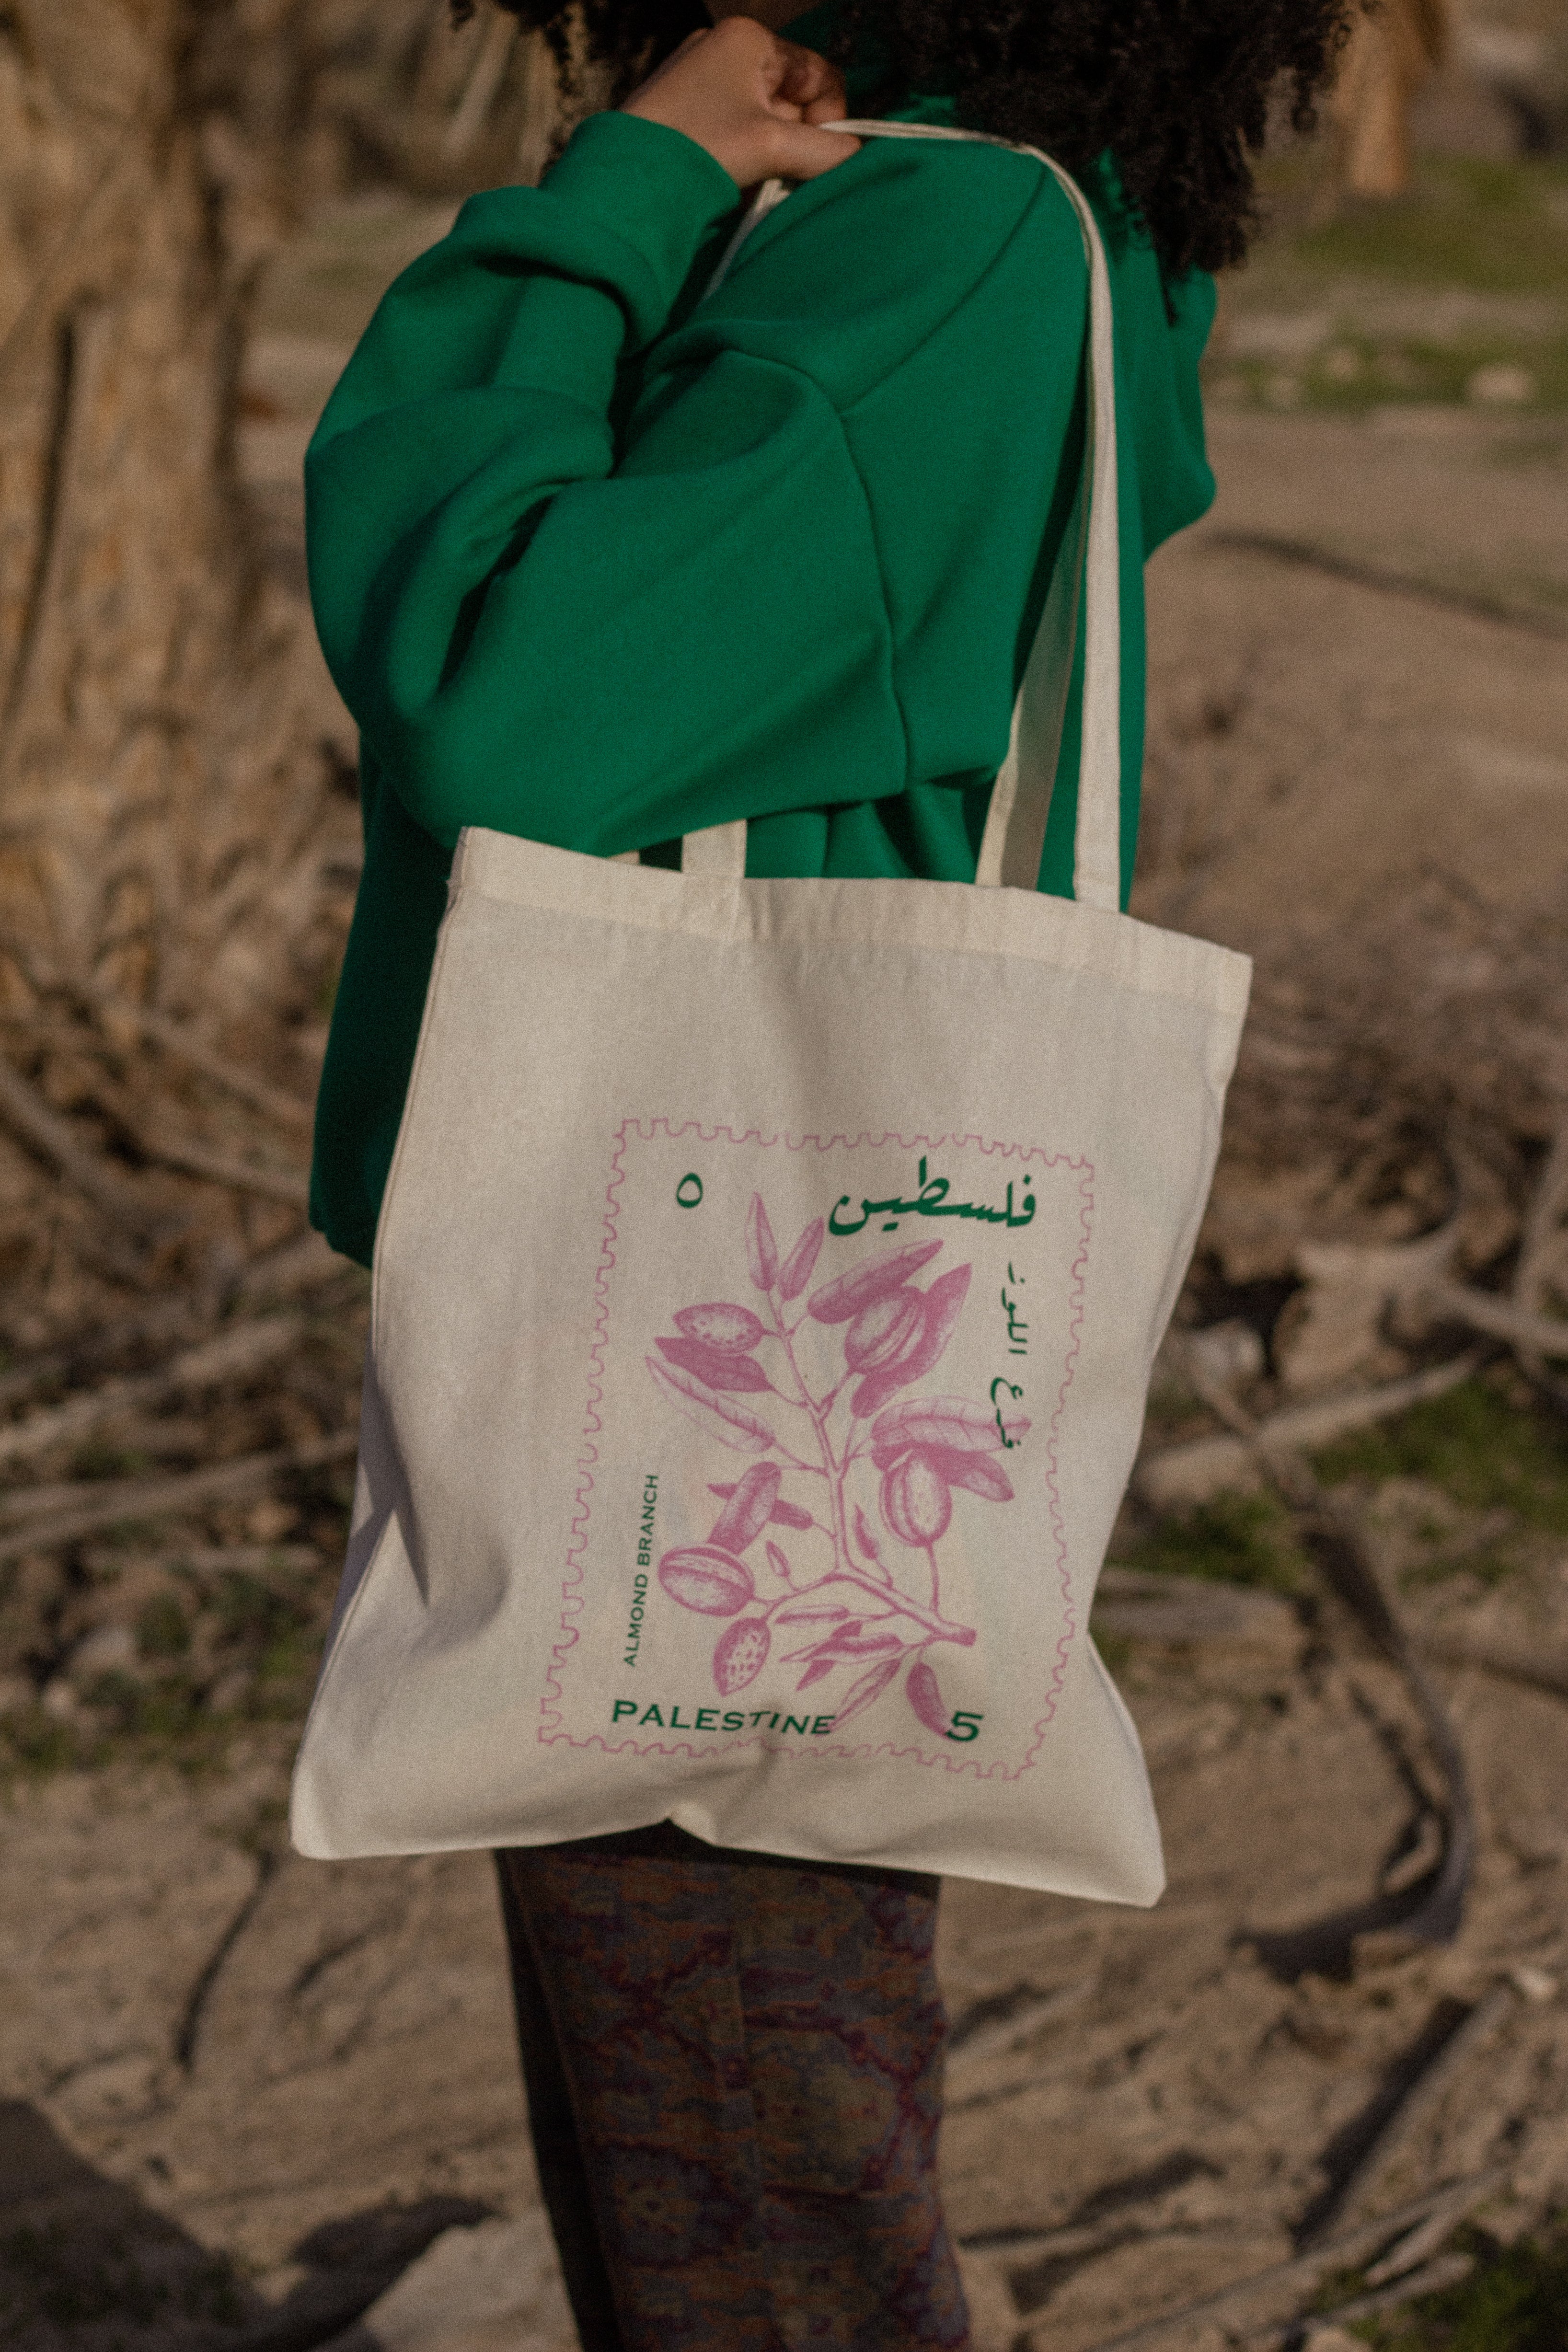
{"type": "Point", "coordinates": [1179, 92]}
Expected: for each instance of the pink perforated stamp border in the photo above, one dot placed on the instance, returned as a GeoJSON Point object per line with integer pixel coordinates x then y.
{"type": "Point", "coordinates": [923, 1447]}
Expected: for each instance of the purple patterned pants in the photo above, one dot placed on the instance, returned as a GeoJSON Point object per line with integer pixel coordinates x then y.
{"type": "Point", "coordinates": [733, 2066]}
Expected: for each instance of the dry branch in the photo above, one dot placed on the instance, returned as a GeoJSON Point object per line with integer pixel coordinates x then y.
{"type": "Point", "coordinates": [301, 1264]}
{"type": "Point", "coordinates": [1418, 2101]}
{"type": "Point", "coordinates": [1537, 1248]}
{"type": "Point", "coordinates": [216, 1167]}
{"type": "Point", "coordinates": [30, 1118]}
{"type": "Point", "coordinates": [1408, 2253]}
{"type": "Point", "coordinates": [1347, 1563]}
{"type": "Point", "coordinates": [233, 1355]}
{"type": "Point", "coordinates": [293, 1266]}
{"type": "Point", "coordinates": [161, 1325]}
{"type": "Point", "coordinates": [1470, 1650]}
{"type": "Point", "coordinates": [1019, 2247]}
{"type": "Point", "coordinates": [1191, 1472]}
{"type": "Point", "coordinates": [159, 1498]}
{"type": "Point", "coordinates": [175, 1039]}
{"type": "Point", "coordinates": [1456, 1302]}
{"type": "Point", "coordinates": [1292, 2279]}
{"type": "Point", "coordinates": [1446, 2271]}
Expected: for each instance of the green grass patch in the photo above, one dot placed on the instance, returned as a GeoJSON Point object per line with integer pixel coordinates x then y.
{"type": "Point", "coordinates": [1233, 1539]}
{"type": "Point", "coordinates": [1478, 1445]}
{"type": "Point", "coordinates": [1516, 2301]}
{"type": "Point", "coordinates": [1351, 374]}
{"type": "Point", "coordinates": [1492, 226]}
{"type": "Point", "coordinates": [1480, 245]}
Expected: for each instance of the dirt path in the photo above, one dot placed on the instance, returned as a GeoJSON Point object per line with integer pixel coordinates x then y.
{"type": "Point", "coordinates": [307, 2070]}
{"type": "Point", "coordinates": [1321, 742]}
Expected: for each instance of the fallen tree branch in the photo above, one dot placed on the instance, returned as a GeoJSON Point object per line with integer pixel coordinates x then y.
{"type": "Point", "coordinates": [1470, 1650]}
{"type": "Point", "coordinates": [1537, 1247]}
{"type": "Point", "coordinates": [1190, 1473]}
{"type": "Point", "coordinates": [1408, 2252]}
{"type": "Point", "coordinates": [1420, 2097]}
{"type": "Point", "coordinates": [216, 1167]}
{"type": "Point", "coordinates": [177, 1040]}
{"type": "Point", "coordinates": [1301, 2273]}
{"type": "Point", "coordinates": [282, 1273]}
{"type": "Point", "coordinates": [133, 1499]}
{"type": "Point", "coordinates": [1446, 2271]}
{"type": "Point", "coordinates": [232, 1355]}
{"type": "Point", "coordinates": [56, 1140]}
{"type": "Point", "coordinates": [1456, 1302]}
{"type": "Point", "coordinates": [1346, 1560]}
{"type": "Point", "coordinates": [305, 1263]}
{"type": "Point", "coordinates": [169, 1320]}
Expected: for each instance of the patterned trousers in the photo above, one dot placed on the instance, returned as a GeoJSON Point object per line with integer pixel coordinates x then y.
{"type": "Point", "coordinates": [733, 2066]}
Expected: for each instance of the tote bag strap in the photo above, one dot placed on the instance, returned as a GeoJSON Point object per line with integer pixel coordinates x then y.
{"type": "Point", "coordinates": [1014, 839]}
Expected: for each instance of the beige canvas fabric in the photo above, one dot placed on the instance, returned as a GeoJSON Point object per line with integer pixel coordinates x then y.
{"type": "Point", "coordinates": [765, 1295]}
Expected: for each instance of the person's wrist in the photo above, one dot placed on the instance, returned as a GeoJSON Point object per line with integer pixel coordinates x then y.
{"type": "Point", "coordinates": [663, 121]}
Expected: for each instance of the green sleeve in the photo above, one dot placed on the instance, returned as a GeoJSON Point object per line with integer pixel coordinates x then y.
{"type": "Point", "coordinates": [540, 633]}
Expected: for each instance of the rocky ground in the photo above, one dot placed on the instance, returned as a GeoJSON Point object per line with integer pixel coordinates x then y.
{"type": "Point", "coordinates": [251, 2100]}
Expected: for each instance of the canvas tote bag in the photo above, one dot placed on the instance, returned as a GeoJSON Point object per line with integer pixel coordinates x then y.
{"type": "Point", "coordinates": [766, 1294]}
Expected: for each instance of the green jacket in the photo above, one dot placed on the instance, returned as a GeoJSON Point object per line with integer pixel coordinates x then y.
{"type": "Point", "coordinates": [599, 562]}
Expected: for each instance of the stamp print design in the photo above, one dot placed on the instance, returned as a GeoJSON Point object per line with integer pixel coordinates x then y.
{"type": "Point", "coordinates": [835, 1591]}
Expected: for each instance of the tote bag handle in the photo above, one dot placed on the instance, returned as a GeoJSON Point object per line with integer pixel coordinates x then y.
{"type": "Point", "coordinates": [1014, 839]}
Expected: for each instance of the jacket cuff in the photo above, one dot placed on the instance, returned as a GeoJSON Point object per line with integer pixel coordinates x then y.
{"type": "Point", "coordinates": [627, 208]}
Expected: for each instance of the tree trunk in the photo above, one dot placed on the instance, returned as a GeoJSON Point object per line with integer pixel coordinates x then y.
{"type": "Point", "coordinates": [161, 777]}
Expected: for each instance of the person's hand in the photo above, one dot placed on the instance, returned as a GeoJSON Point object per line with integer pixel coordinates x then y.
{"type": "Point", "coordinates": [752, 100]}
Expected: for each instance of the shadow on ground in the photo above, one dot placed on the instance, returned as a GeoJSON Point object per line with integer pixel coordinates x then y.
{"type": "Point", "coordinates": [83, 2260]}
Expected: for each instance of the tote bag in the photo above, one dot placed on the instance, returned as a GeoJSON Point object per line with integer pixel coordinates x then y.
{"type": "Point", "coordinates": [764, 1298]}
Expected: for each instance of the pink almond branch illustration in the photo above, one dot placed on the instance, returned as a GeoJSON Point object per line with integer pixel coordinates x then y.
{"type": "Point", "coordinates": [924, 1449]}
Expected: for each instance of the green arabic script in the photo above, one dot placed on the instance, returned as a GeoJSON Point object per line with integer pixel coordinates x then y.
{"type": "Point", "coordinates": [932, 1201]}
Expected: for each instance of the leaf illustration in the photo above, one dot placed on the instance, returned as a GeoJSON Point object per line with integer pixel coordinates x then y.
{"type": "Point", "coordinates": [860, 1641]}
{"type": "Point", "coordinates": [777, 1562]}
{"type": "Point", "coordinates": [782, 1515]}
{"type": "Point", "coordinates": [745, 1515]}
{"type": "Point", "coordinates": [943, 1302]}
{"type": "Point", "coordinates": [870, 1686]}
{"type": "Point", "coordinates": [979, 1472]}
{"type": "Point", "coordinates": [729, 1422]}
{"type": "Point", "coordinates": [721, 1323]}
{"type": "Point", "coordinates": [815, 1672]}
{"type": "Point", "coordinates": [762, 1251]}
{"type": "Point", "coordinates": [740, 1654]}
{"type": "Point", "coordinates": [702, 1577]}
{"type": "Point", "coordinates": [924, 1696]}
{"type": "Point", "coordinates": [795, 1271]}
{"type": "Point", "coordinates": [865, 1539]}
{"type": "Point", "coordinates": [823, 1612]}
{"type": "Point", "coordinates": [938, 1421]}
{"type": "Point", "coordinates": [839, 1299]}
{"type": "Point", "coordinates": [717, 1368]}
